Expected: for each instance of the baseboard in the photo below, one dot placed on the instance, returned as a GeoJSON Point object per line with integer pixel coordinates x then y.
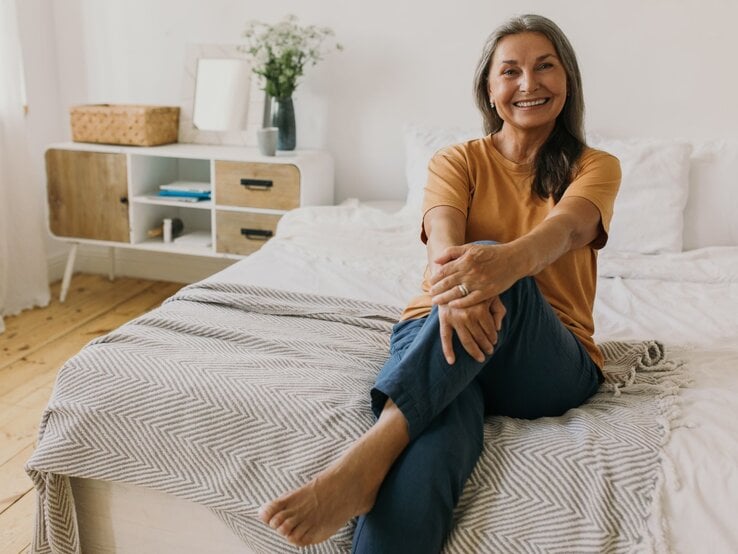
{"type": "Point", "coordinates": [178, 268]}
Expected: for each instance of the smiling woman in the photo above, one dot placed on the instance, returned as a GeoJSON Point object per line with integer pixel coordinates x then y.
{"type": "Point", "coordinates": [512, 222]}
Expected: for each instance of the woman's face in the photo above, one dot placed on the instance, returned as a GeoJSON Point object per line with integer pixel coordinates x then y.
{"type": "Point", "coordinates": [527, 82]}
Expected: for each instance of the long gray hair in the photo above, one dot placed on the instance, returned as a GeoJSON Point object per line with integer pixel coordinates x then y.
{"type": "Point", "coordinates": [556, 160]}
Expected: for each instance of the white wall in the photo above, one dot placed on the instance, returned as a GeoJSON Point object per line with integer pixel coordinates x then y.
{"type": "Point", "coordinates": [661, 68]}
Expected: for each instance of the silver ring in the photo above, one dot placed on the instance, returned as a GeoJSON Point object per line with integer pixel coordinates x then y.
{"type": "Point", "coordinates": [462, 289]}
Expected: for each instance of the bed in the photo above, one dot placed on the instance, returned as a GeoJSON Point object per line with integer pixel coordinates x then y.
{"type": "Point", "coordinates": [346, 271]}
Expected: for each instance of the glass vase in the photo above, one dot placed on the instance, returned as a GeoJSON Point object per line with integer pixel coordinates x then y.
{"type": "Point", "coordinates": [283, 118]}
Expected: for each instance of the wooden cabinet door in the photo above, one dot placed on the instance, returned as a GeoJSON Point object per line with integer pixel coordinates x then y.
{"type": "Point", "coordinates": [88, 195]}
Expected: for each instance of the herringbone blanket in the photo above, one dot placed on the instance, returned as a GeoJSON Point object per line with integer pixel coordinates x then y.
{"type": "Point", "coordinates": [230, 395]}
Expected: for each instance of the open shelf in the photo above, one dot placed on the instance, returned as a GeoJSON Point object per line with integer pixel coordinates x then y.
{"type": "Point", "coordinates": [150, 215]}
{"type": "Point", "coordinates": [197, 242]}
{"type": "Point", "coordinates": [164, 201]}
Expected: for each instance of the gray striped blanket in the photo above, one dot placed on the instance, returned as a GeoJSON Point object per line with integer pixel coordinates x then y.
{"type": "Point", "coordinates": [230, 395]}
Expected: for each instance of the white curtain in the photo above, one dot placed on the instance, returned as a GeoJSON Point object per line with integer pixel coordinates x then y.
{"type": "Point", "coordinates": [23, 268]}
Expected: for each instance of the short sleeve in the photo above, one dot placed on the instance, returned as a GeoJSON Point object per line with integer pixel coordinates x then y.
{"type": "Point", "coordinates": [448, 183]}
{"type": "Point", "coordinates": [597, 180]}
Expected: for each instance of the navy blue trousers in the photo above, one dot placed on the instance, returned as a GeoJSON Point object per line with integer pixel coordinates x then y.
{"type": "Point", "coordinates": [538, 368]}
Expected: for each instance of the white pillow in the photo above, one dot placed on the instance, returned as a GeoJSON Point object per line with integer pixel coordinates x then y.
{"type": "Point", "coordinates": [710, 216]}
{"type": "Point", "coordinates": [648, 217]}
{"type": "Point", "coordinates": [421, 143]}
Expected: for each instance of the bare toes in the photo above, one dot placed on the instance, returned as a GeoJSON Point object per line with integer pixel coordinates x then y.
{"type": "Point", "coordinates": [308, 537]}
{"type": "Point", "coordinates": [277, 520]}
{"type": "Point", "coordinates": [297, 537]}
{"type": "Point", "coordinates": [267, 511]}
{"type": "Point", "coordinates": [287, 527]}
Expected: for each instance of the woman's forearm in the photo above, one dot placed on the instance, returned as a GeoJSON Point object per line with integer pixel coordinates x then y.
{"type": "Point", "coordinates": [573, 224]}
{"type": "Point", "coordinates": [539, 248]}
{"type": "Point", "coordinates": [444, 226]}
{"type": "Point", "coordinates": [486, 271]}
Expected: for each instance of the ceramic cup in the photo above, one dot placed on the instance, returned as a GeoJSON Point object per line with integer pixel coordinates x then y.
{"type": "Point", "coordinates": [267, 140]}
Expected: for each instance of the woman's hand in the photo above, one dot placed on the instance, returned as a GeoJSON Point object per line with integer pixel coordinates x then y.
{"type": "Point", "coordinates": [485, 270]}
{"type": "Point", "coordinates": [476, 327]}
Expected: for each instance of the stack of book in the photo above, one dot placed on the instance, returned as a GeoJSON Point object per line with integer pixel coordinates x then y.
{"type": "Point", "coordinates": [185, 191]}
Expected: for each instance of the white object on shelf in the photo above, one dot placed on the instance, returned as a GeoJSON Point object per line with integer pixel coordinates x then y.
{"type": "Point", "coordinates": [167, 229]}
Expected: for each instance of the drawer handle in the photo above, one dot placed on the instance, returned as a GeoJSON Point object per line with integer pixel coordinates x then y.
{"type": "Point", "coordinates": [257, 234]}
{"type": "Point", "coordinates": [257, 184]}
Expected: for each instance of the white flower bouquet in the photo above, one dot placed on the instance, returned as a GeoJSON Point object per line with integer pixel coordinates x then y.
{"type": "Point", "coordinates": [281, 51]}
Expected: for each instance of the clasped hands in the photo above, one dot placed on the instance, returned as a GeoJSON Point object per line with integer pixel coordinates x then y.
{"type": "Point", "coordinates": [476, 317]}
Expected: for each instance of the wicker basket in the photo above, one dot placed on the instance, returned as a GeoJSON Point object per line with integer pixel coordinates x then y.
{"type": "Point", "coordinates": [125, 124]}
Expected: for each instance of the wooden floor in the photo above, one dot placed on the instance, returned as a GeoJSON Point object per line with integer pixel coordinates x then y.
{"type": "Point", "coordinates": [35, 344]}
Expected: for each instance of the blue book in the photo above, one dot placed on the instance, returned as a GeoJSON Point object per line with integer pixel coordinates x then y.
{"type": "Point", "coordinates": [186, 186]}
{"type": "Point", "coordinates": [185, 194]}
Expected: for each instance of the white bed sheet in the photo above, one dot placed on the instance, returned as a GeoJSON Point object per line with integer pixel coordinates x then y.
{"type": "Point", "coordinates": [699, 497]}
{"type": "Point", "coordinates": [349, 250]}
{"type": "Point", "coordinates": [689, 301]}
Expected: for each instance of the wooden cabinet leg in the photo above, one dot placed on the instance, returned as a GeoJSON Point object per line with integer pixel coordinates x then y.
{"type": "Point", "coordinates": [111, 272]}
{"type": "Point", "coordinates": [68, 272]}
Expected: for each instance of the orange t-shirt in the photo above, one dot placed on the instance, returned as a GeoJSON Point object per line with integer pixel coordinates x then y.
{"type": "Point", "coordinates": [495, 195]}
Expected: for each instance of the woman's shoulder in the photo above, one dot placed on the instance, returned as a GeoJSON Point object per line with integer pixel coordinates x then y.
{"type": "Point", "coordinates": [599, 160]}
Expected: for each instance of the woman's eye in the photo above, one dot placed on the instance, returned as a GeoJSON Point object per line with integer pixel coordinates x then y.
{"type": "Point", "coordinates": [509, 72]}
{"type": "Point", "coordinates": [545, 65]}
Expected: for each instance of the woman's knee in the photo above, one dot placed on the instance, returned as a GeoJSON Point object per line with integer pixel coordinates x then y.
{"type": "Point", "coordinates": [524, 285]}
{"type": "Point", "coordinates": [521, 299]}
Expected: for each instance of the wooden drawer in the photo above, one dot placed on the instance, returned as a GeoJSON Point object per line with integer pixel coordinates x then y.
{"type": "Point", "coordinates": [243, 232]}
{"type": "Point", "coordinates": [257, 185]}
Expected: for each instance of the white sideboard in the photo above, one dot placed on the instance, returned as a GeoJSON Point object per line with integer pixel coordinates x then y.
{"type": "Point", "coordinates": [108, 195]}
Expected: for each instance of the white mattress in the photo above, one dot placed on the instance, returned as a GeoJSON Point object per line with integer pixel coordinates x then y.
{"type": "Point", "coordinates": [689, 301]}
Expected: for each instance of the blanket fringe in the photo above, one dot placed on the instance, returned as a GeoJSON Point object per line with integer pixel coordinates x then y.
{"type": "Point", "coordinates": [646, 367]}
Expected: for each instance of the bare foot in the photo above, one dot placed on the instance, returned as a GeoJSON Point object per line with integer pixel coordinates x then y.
{"type": "Point", "coordinates": [315, 511]}
{"type": "Point", "coordinates": [347, 488]}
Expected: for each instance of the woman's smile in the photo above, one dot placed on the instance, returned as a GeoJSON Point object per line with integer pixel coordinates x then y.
{"type": "Point", "coordinates": [531, 104]}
